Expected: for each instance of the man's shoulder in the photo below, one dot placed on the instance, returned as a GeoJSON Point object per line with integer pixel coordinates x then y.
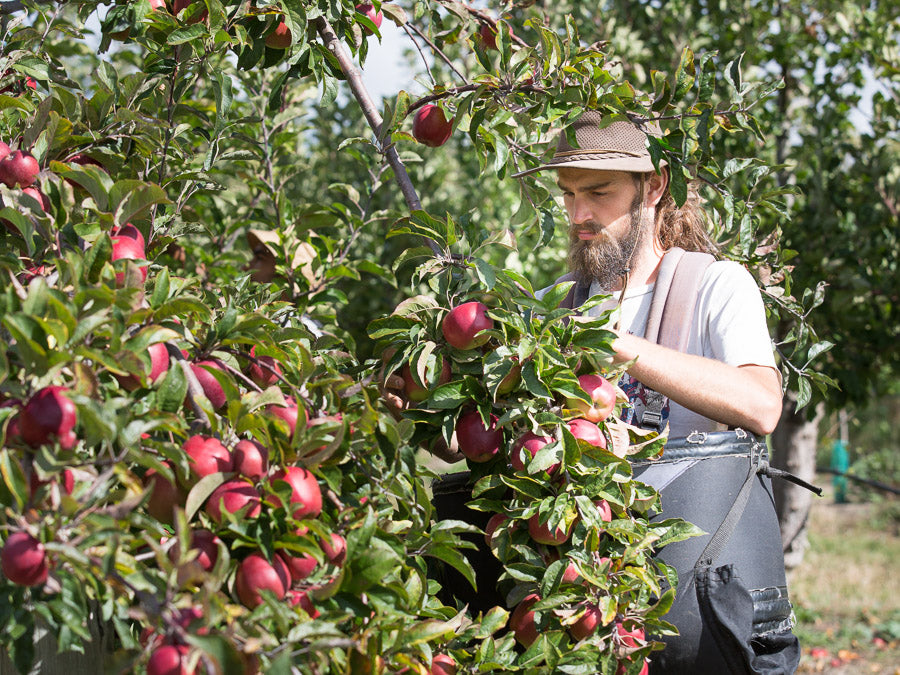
{"type": "Point", "coordinates": [727, 272]}
{"type": "Point", "coordinates": [726, 281]}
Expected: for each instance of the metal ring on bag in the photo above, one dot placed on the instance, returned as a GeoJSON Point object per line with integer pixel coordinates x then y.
{"type": "Point", "coordinates": [697, 437]}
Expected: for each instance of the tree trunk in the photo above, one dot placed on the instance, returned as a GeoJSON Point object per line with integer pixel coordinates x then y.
{"type": "Point", "coordinates": [794, 449]}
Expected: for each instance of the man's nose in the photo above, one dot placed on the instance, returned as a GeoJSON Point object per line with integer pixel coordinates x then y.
{"type": "Point", "coordinates": [580, 212]}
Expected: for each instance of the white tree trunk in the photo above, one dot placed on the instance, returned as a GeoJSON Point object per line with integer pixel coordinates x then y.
{"type": "Point", "coordinates": [794, 449]}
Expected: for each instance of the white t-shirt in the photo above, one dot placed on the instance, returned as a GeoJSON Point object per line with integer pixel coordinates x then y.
{"type": "Point", "coordinates": [729, 325]}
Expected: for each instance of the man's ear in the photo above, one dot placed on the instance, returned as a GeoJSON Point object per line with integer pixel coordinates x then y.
{"type": "Point", "coordinates": [655, 186]}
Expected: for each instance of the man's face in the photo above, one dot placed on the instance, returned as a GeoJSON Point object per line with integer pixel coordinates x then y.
{"type": "Point", "coordinates": [262, 265]}
{"type": "Point", "coordinates": [605, 226]}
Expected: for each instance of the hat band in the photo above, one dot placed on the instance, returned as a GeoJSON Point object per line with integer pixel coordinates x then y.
{"type": "Point", "coordinates": [597, 151]}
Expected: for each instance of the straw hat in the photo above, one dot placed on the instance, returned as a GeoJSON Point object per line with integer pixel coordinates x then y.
{"type": "Point", "coordinates": [270, 240]}
{"type": "Point", "coordinates": [614, 146]}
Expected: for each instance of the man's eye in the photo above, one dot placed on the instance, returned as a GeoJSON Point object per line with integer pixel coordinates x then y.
{"type": "Point", "coordinates": [599, 194]}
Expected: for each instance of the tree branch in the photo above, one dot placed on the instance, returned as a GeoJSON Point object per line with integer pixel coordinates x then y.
{"type": "Point", "coordinates": [354, 78]}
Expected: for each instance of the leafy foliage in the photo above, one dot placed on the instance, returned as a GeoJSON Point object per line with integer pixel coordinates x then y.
{"type": "Point", "coordinates": [263, 204]}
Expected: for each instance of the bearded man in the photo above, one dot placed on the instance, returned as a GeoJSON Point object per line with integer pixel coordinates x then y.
{"type": "Point", "coordinates": [622, 223]}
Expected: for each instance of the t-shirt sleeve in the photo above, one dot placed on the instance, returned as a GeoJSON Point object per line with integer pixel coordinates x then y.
{"type": "Point", "coordinates": [731, 307]}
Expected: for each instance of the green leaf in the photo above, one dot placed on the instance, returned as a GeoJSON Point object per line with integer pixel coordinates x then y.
{"type": "Point", "coordinates": [200, 493]}
{"type": "Point", "coordinates": [160, 288]}
{"type": "Point", "coordinates": [486, 274]}
{"type": "Point", "coordinates": [227, 659]}
{"type": "Point", "coordinates": [186, 34]}
{"type": "Point", "coordinates": [13, 478]}
{"type": "Point", "coordinates": [677, 183]}
{"type": "Point", "coordinates": [172, 390]}
{"type": "Point", "coordinates": [130, 198]}
{"type": "Point", "coordinates": [555, 295]}
{"type": "Point", "coordinates": [533, 382]}
{"type": "Point", "coordinates": [430, 629]}
{"type": "Point", "coordinates": [684, 75]}
{"type": "Point", "coordinates": [96, 257]}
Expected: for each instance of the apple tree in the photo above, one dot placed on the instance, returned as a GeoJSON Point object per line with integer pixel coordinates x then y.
{"type": "Point", "coordinates": [198, 468]}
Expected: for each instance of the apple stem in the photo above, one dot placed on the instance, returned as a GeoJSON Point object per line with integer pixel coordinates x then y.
{"type": "Point", "coordinates": [373, 117]}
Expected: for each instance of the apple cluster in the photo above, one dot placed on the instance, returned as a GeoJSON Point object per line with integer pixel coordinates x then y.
{"type": "Point", "coordinates": [544, 457]}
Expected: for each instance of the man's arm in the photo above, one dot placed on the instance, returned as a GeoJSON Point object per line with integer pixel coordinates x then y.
{"type": "Point", "coordinates": [740, 396]}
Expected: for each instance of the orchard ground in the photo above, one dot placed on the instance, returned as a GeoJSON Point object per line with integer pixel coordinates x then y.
{"type": "Point", "coordinates": [845, 592]}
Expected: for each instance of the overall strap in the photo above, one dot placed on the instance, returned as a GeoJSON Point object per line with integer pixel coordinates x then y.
{"type": "Point", "coordinates": [675, 296]}
{"type": "Point", "coordinates": [672, 312]}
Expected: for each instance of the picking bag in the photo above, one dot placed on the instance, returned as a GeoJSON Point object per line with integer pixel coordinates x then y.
{"type": "Point", "coordinates": [732, 608]}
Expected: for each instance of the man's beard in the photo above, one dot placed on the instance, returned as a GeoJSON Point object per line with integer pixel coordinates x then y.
{"type": "Point", "coordinates": [601, 259]}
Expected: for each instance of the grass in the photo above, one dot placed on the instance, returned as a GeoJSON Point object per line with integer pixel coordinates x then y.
{"type": "Point", "coordinates": [846, 593]}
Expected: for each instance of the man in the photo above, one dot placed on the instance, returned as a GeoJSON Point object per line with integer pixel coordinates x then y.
{"type": "Point", "coordinates": [625, 234]}
{"type": "Point", "coordinates": [622, 221]}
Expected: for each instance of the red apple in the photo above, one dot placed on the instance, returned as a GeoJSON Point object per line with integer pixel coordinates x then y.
{"type": "Point", "coordinates": [211, 387]}
{"type": "Point", "coordinates": [570, 575]}
{"type": "Point", "coordinates": [24, 560]}
{"type": "Point", "coordinates": [605, 510]}
{"type": "Point", "coordinates": [39, 196]}
{"type": "Point", "coordinates": [296, 597]}
{"type": "Point", "coordinates": [510, 381]}
{"type": "Point", "coordinates": [19, 169]}
{"type": "Point", "coordinates": [4, 149]}
{"type": "Point", "coordinates": [83, 160]}
{"type": "Point", "coordinates": [49, 414]}
{"type": "Point", "coordinates": [542, 534]}
{"type": "Point", "coordinates": [126, 248]}
{"type": "Point", "coordinates": [68, 482]}
{"type": "Point", "coordinates": [442, 664]}
{"type": "Point", "coordinates": [206, 544]}
{"type": "Point", "coordinates": [169, 660]}
{"type": "Point", "coordinates": [264, 370]}
{"type": "Point", "coordinates": [300, 566]}
{"type": "Point", "coordinates": [493, 523]}
{"type": "Point", "coordinates": [522, 621]}
{"type": "Point", "coordinates": [234, 495]}
{"type": "Point", "coordinates": [159, 366]}
{"type": "Point", "coordinates": [476, 441]}
{"type": "Point", "coordinates": [587, 623]}
{"type": "Point", "coordinates": [250, 459]}
{"type": "Point", "coordinates": [207, 456]}
{"type": "Point", "coordinates": [190, 618]}
{"type": "Point", "coordinates": [531, 443]}
{"type": "Point", "coordinates": [430, 126]}
{"type": "Point", "coordinates": [159, 361]}
{"type": "Point", "coordinates": [463, 323]}
{"type": "Point", "coordinates": [164, 496]}
{"type": "Point", "coordinates": [256, 574]}
{"type": "Point", "coordinates": [417, 394]}
{"type": "Point", "coordinates": [630, 637]}
{"type": "Point", "coordinates": [335, 549]}
{"type": "Point", "coordinates": [488, 35]}
{"type": "Point", "coordinates": [290, 413]}
{"type": "Point", "coordinates": [305, 491]}
{"type": "Point", "coordinates": [375, 16]}
{"type": "Point", "coordinates": [602, 395]}
{"type": "Point", "coordinates": [280, 38]}
{"type": "Point", "coordinates": [178, 5]}
{"type": "Point", "coordinates": [587, 431]}
{"type": "Point", "coordinates": [130, 231]}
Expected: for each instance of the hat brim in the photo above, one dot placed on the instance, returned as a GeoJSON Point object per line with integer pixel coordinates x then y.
{"type": "Point", "coordinates": [629, 164]}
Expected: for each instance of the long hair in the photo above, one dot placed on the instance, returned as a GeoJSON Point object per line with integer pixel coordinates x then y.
{"type": "Point", "coordinates": [686, 226]}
